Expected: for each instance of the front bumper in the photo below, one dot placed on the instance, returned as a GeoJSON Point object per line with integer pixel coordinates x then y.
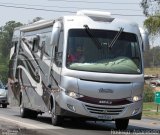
{"type": "Point", "coordinates": [102, 112]}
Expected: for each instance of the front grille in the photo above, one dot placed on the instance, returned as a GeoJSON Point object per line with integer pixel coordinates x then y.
{"type": "Point", "coordinates": [105, 110]}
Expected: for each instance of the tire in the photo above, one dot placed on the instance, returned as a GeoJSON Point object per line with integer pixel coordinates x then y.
{"type": "Point", "coordinates": [23, 112]}
{"type": "Point", "coordinates": [27, 113]}
{"type": "Point", "coordinates": [32, 114]}
{"type": "Point", "coordinates": [4, 105]}
{"type": "Point", "coordinates": [121, 124]}
{"type": "Point", "coordinates": [78, 120]}
{"type": "Point", "coordinates": [56, 119]}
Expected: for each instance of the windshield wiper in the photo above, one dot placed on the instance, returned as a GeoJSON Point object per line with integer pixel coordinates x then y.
{"type": "Point", "coordinates": [115, 38]}
{"type": "Point", "coordinates": [96, 41]}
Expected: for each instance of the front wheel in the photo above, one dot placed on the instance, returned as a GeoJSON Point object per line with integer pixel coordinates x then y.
{"type": "Point", "coordinates": [121, 124]}
{"type": "Point", "coordinates": [56, 119]}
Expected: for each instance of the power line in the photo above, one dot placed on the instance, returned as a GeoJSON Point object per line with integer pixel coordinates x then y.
{"type": "Point", "coordinates": [69, 7]}
{"type": "Point", "coordinates": [36, 8]}
{"type": "Point", "coordinates": [92, 2]}
{"type": "Point", "coordinates": [48, 10]}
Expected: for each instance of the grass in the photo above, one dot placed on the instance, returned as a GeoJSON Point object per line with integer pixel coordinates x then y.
{"type": "Point", "coordinates": [150, 110]}
{"type": "Point", "coordinates": [152, 71]}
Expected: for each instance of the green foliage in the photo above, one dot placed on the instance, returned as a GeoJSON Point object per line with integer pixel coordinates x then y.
{"type": "Point", "coordinates": [151, 11]}
{"type": "Point", "coordinates": [152, 24]}
{"type": "Point", "coordinates": [6, 33]}
{"type": "Point", "coordinates": [148, 94]}
{"type": "Point", "coordinates": [6, 37]}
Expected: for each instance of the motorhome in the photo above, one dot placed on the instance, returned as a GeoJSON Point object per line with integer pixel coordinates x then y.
{"type": "Point", "coordinates": [87, 66]}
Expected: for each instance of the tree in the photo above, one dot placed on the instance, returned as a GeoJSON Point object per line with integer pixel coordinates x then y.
{"type": "Point", "coordinates": [36, 19]}
{"type": "Point", "coordinates": [150, 7]}
{"type": "Point", "coordinates": [6, 33]}
{"type": "Point", "coordinates": [6, 36]}
{"type": "Point", "coordinates": [152, 12]}
{"type": "Point", "coordinates": [153, 25]}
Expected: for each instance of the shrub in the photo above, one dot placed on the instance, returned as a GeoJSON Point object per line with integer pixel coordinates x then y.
{"type": "Point", "coordinates": [148, 94]}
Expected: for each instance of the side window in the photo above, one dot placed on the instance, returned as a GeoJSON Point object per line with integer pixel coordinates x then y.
{"type": "Point", "coordinates": [59, 50]}
{"type": "Point", "coordinates": [43, 44]}
{"type": "Point", "coordinates": [35, 44]}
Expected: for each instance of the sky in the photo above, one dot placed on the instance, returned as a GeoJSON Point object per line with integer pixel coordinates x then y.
{"type": "Point", "coordinates": [25, 11]}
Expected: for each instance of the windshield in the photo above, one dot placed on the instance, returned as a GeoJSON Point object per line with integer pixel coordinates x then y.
{"type": "Point", "coordinates": [84, 54]}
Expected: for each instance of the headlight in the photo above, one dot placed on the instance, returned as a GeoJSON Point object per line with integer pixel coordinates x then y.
{"type": "Point", "coordinates": [74, 95]}
{"type": "Point", "coordinates": [135, 98]}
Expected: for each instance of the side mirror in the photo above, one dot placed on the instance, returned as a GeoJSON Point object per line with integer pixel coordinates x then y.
{"type": "Point", "coordinates": [145, 39]}
{"type": "Point", "coordinates": [55, 33]}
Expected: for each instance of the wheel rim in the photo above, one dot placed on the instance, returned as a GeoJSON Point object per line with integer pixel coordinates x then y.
{"type": "Point", "coordinates": [21, 110]}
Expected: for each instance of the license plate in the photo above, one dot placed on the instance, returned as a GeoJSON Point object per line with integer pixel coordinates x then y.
{"type": "Point", "coordinates": [105, 117]}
